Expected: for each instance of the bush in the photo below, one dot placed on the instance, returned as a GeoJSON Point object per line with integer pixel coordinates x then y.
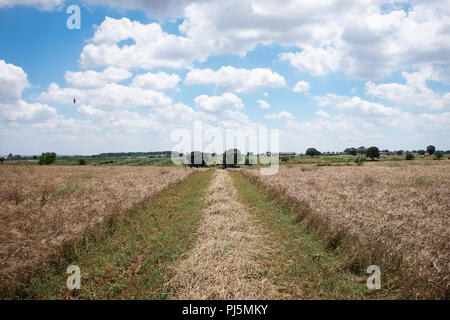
{"type": "Point", "coordinates": [409, 156]}
{"type": "Point", "coordinates": [421, 152]}
{"type": "Point", "coordinates": [47, 158]}
{"type": "Point", "coordinates": [438, 155]}
{"type": "Point", "coordinates": [284, 159]}
{"type": "Point", "coordinates": [2, 160]}
{"type": "Point", "coordinates": [82, 162]}
{"type": "Point", "coordinates": [360, 161]}
{"type": "Point", "coordinates": [254, 160]}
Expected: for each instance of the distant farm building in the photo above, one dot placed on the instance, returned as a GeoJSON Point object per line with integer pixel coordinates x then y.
{"type": "Point", "coordinates": [281, 154]}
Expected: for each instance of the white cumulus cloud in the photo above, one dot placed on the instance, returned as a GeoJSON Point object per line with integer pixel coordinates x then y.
{"type": "Point", "coordinates": [111, 95]}
{"type": "Point", "coordinates": [280, 115]}
{"type": "Point", "coordinates": [414, 92]}
{"type": "Point", "coordinates": [236, 80]}
{"type": "Point", "coordinates": [263, 104]}
{"type": "Point", "coordinates": [323, 114]}
{"type": "Point", "coordinates": [93, 79]}
{"type": "Point", "coordinates": [160, 81]}
{"type": "Point", "coordinates": [302, 86]}
{"type": "Point", "coordinates": [148, 46]}
{"type": "Point", "coordinates": [13, 80]}
{"type": "Point", "coordinates": [317, 61]}
{"type": "Point", "coordinates": [89, 111]}
{"type": "Point", "coordinates": [218, 103]}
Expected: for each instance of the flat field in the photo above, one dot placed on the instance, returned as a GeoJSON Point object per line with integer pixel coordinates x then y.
{"type": "Point", "coordinates": [396, 215]}
{"type": "Point", "coordinates": [314, 230]}
{"type": "Point", "coordinates": [44, 208]}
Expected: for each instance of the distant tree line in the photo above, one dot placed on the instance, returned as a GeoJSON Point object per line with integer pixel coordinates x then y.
{"type": "Point", "coordinates": [234, 157]}
{"type": "Point", "coordinates": [374, 152]}
{"type": "Point", "coordinates": [231, 158]}
{"type": "Point", "coordinates": [133, 154]}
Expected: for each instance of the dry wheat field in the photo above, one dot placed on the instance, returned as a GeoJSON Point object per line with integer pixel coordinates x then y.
{"type": "Point", "coordinates": [393, 215]}
{"type": "Point", "coordinates": [44, 208]}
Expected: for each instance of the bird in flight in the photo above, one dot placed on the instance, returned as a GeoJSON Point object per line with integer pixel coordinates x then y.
{"type": "Point", "coordinates": [74, 100]}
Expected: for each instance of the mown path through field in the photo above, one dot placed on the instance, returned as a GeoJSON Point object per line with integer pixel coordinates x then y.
{"type": "Point", "coordinates": [215, 235]}
{"type": "Point", "coordinates": [248, 247]}
{"type": "Point", "coordinates": [228, 261]}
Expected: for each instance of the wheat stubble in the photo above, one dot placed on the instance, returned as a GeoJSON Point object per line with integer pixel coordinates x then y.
{"type": "Point", "coordinates": [227, 262]}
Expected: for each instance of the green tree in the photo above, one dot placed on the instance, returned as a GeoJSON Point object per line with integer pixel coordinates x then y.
{"type": "Point", "coordinates": [362, 150]}
{"type": "Point", "coordinates": [47, 158]}
{"type": "Point", "coordinates": [421, 152]}
{"type": "Point", "coordinates": [10, 156]}
{"type": "Point", "coordinates": [372, 153]}
{"type": "Point", "coordinates": [312, 152]}
{"type": "Point", "coordinates": [431, 149]}
{"type": "Point", "coordinates": [2, 160]}
{"type": "Point", "coordinates": [351, 151]}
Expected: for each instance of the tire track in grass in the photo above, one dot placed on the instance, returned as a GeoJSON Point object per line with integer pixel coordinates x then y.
{"type": "Point", "coordinates": [229, 261]}
{"type": "Point", "coordinates": [300, 263]}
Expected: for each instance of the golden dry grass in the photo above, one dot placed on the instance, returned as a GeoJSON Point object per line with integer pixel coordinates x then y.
{"type": "Point", "coordinates": [45, 208]}
{"type": "Point", "coordinates": [396, 217]}
{"type": "Point", "coordinates": [226, 263]}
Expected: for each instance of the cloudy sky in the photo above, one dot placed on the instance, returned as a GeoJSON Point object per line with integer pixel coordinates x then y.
{"type": "Point", "coordinates": [328, 74]}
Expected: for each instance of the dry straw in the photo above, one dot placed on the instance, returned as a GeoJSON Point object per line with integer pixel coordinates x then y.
{"type": "Point", "coordinates": [226, 262]}
{"type": "Point", "coordinates": [395, 217]}
{"type": "Point", "coordinates": [46, 209]}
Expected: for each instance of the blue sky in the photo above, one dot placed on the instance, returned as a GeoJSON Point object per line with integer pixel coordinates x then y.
{"type": "Point", "coordinates": [325, 76]}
